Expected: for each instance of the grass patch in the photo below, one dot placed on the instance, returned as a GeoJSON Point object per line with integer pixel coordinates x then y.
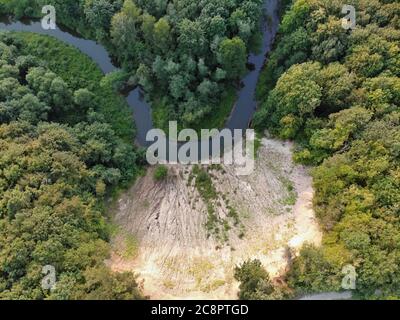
{"type": "Point", "coordinates": [215, 225]}
{"type": "Point", "coordinates": [131, 247]}
{"type": "Point", "coordinates": [204, 184]}
{"type": "Point", "coordinates": [291, 198]}
{"type": "Point", "coordinates": [200, 268]}
{"type": "Point", "coordinates": [233, 214]}
{"type": "Point", "coordinates": [127, 244]}
{"type": "Point", "coordinates": [169, 284]}
{"type": "Point", "coordinates": [161, 173]}
{"type": "Point", "coordinates": [113, 229]}
{"type": "Point", "coordinates": [214, 285]}
{"type": "Point", "coordinates": [208, 193]}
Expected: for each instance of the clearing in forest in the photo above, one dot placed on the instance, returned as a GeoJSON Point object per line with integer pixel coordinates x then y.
{"type": "Point", "coordinates": [195, 224]}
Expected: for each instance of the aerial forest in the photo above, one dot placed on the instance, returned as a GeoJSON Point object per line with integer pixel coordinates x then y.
{"type": "Point", "coordinates": [337, 94]}
{"type": "Point", "coordinates": [66, 132]}
{"type": "Point", "coordinates": [187, 55]}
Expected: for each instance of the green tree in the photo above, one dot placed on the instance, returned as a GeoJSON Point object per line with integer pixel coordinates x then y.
{"type": "Point", "coordinates": [255, 283]}
{"type": "Point", "coordinates": [162, 38]}
{"type": "Point", "coordinates": [233, 57]}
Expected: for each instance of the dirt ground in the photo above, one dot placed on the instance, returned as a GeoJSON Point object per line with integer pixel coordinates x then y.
{"type": "Point", "coordinates": [162, 234]}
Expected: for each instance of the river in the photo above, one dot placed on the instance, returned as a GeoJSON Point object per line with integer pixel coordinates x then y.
{"type": "Point", "coordinates": [244, 108]}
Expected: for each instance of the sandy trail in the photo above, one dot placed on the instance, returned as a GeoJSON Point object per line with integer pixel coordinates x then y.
{"type": "Point", "coordinates": [177, 260]}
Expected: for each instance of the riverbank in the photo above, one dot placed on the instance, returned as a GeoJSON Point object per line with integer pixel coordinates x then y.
{"type": "Point", "coordinates": [238, 114]}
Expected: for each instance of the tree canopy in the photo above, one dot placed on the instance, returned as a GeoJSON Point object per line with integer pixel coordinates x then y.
{"type": "Point", "coordinates": [59, 159]}
{"type": "Point", "coordinates": [185, 54]}
{"type": "Point", "coordinates": [337, 93]}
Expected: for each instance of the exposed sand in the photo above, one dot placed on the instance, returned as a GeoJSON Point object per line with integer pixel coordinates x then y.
{"type": "Point", "coordinates": [175, 258]}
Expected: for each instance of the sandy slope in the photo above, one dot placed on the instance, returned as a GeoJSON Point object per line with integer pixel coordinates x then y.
{"type": "Point", "coordinates": [175, 257]}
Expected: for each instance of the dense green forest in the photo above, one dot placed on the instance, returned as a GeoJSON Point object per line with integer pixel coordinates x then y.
{"type": "Point", "coordinates": [59, 159]}
{"type": "Point", "coordinates": [65, 135]}
{"type": "Point", "coordinates": [337, 93]}
{"type": "Point", "coordinates": [186, 54]}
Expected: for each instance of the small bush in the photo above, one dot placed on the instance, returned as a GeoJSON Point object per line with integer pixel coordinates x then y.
{"type": "Point", "coordinates": [160, 173]}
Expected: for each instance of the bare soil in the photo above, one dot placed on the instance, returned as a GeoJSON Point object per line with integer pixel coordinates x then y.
{"type": "Point", "coordinates": [177, 257]}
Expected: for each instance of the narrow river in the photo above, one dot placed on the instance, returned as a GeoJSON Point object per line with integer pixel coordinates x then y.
{"type": "Point", "coordinates": [244, 108]}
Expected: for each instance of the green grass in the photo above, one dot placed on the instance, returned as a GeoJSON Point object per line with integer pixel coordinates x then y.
{"type": "Point", "coordinates": [214, 285]}
{"type": "Point", "coordinates": [204, 184]}
{"type": "Point", "coordinates": [208, 193]}
{"type": "Point", "coordinates": [161, 173]}
{"type": "Point", "coordinates": [79, 71]}
{"type": "Point", "coordinates": [131, 247]}
{"type": "Point", "coordinates": [215, 225]}
{"type": "Point", "coordinates": [291, 198]}
{"type": "Point", "coordinates": [233, 214]}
